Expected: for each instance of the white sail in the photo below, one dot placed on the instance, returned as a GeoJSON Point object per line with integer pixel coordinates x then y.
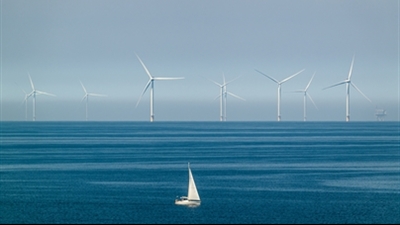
{"type": "Point", "coordinates": [192, 190]}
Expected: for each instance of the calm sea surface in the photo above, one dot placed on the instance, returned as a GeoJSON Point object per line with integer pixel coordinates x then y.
{"type": "Point", "coordinates": [245, 172]}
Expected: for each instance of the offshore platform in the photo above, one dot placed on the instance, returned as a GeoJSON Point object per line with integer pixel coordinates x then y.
{"type": "Point", "coordinates": [380, 114]}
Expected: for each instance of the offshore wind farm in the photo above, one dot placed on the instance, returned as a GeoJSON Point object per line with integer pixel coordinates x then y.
{"type": "Point", "coordinates": [195, 40]}
{"type": "Point", "coordinates": [96, 134]}
{"type": "Point", "coordinates": [222, 96]}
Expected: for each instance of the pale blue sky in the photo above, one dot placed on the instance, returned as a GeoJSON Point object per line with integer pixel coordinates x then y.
{"type": "Point", "coordinates": [61, 42]}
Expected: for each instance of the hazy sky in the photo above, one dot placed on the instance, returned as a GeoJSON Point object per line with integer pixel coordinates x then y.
{"type": "Point", "coordinates": [61, 42]}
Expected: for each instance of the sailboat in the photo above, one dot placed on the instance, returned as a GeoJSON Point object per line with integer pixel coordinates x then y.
{"type": "Point", "coordinates": [192, 198]}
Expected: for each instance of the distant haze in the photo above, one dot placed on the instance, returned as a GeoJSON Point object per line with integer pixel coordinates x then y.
{"type": "Point", "coordinates": [63, 42]}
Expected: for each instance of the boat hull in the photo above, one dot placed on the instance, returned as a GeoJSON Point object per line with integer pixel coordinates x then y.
{"type": "Point", "coordinates": [187, 202]}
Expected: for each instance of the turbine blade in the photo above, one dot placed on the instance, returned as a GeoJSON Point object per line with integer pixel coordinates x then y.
{"type": "Point", "coordinates": [45, 93]}
{"type": "Point", "coordinates": [223, 79]}
{"type": "Point", "coordinates": [97, 95]}
{"type": "Point", "coordinates": [220, 85]}
{"type": "Point", "coordinates": [144, 90]}
{"type": "Point", "coordinates": [309, 96]}
{"type": "Point", "coordinates": [30, 79]}
{"type": "Point", "coordinates": [273, 79]}
{"type": "Point", "coordinates": [30, 94]}
{"type": "Point", "coordinates": [232, 80]}
{"type": "Point", "coordinates": [351, 68]}
{"type": "Point", "coordinates": [145, 68]}
{"type": "Point", "coordinates": [342, 82]}
{"type": "Point", "coordinates": [298, 91]}
{"type": "Point", "coordinates": [20, 87]}
{"type": "Point", "coordinates": [219, 96]}
{"type": "Point", "coordinates": [26, 98]}
{"type": "Point", "coordinates": [22, 102]}
{"type": "Point", "coordinates": [284, 80]}
{"type": "Point", "coordinates": [308, 85]}
{"type": "Point", "coordinates": [168, 78]}
{"type": "Point", "coordinates": [83, 86]}
{"type": "Point", "coordinates": [84, 97]}
{"type": "Point", "coordinates": [235, 96]}
{"type": "Point", "coordinates": [360, 92]}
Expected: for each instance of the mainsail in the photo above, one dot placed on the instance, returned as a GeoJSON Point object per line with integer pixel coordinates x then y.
{"type": "Point", "coordinates": [192, 192]}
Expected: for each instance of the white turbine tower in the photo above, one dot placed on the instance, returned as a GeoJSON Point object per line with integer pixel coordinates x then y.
{"type": "Point", "coordinates": [279, 88]}
{"type": "Point", "coordinates": [223, 96]}
{"type": "Point", "coordinates": [86, 97]}
{"type": "Point", "coordinates": [305, 98]}
{"type": "Point", "coordinates": [33, 94]}
{"type": "Point", "coordinates": [151, 84]}
{"type": "Point", "coordinates": [348, 83]}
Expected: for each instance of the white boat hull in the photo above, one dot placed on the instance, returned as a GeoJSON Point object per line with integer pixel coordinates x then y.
{"type": "Point", "coordinates": [187, 202]}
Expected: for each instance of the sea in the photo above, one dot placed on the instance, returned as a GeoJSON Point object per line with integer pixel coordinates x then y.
{"type": "Point", "coordinates": [245, 172]}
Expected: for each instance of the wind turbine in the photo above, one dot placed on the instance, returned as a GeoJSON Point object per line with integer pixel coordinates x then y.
{"type": "Point", "coordinates": [305, 97]}
{"type": "Point", "coordinates": [86, 96]}
{"type": "Point", "coordinates": [348, 83]}
{"type": "Point", "coordinates": [223, 96]}
{"type": "Point", "coordinates": [33, 94]}
{"type": "Point", "coordinates": [150, 84]}
{"type": "Point", "coordinates": [221, 100]}
{"type": "Point", "coordinates": [279, 88]}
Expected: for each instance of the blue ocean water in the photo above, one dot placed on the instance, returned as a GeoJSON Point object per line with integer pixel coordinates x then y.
{"type": "Point", "coordinates": [245, 172]}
